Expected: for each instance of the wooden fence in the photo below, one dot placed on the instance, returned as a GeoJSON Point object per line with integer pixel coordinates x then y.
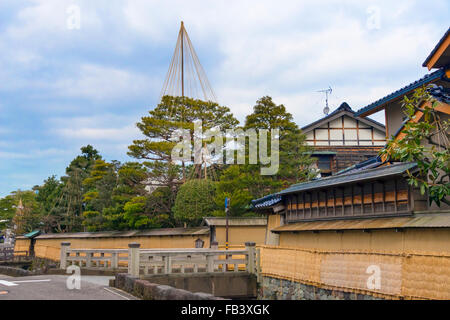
{"type": "Point", "coordinates": [397, 275]}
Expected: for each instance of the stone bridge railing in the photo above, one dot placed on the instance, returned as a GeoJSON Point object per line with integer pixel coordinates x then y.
{"type": "Point", "coordinates": [6, 252]}
{"type": "Point", "coordinates": [167, 261]}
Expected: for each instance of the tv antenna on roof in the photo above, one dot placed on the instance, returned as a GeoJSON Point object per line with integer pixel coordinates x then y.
{"type": "Point", "coordinates": [328, 91]}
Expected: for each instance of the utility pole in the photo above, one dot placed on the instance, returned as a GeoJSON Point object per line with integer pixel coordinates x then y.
{"type": "Point", "coordinates": [227, 205]}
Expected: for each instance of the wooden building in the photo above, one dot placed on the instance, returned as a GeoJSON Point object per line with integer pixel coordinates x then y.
{"type": "Point", "coordinates": [342, 139]}
{"type": "Point", "coordinates": [332, 231]}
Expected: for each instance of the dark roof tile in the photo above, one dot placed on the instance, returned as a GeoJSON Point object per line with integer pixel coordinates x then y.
{"type": "Point", "coordinates": [401, 92]}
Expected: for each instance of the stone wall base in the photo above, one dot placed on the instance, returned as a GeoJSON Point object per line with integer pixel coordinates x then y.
{"type": "Point", "coordinates": [278, 289]}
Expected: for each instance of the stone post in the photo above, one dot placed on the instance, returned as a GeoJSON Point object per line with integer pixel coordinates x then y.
{"type": "Point", "coordinates": [214, 245]}
{"type": "Point", "coordinates": [251, 250]}
{"type": "Point", "coordinates": [133, 259]}
{"type": "Point", "coordinates": [89, 256]}
{"type": "Point", "coordinates": [114, 260]}
{"type": "Point", "coordinates": [65, 246]}
{"type": "Point", "coordinates": [210, 262]}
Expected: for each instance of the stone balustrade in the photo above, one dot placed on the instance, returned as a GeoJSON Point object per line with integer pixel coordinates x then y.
{"type": "Point", "coordinates": [163, 261]}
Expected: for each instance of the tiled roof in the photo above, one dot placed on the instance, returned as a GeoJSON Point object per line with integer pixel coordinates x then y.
{"type": "Point", "coordinates": [126, 234]}
{"type": "Point", "coordinates": [401, 92]}
{"type": "Point", "coordinates": [391, 170]}
{"type": "Point", "coordinates": [370, 163]}
{"type": "Point", "coordinates": [234, 221]}
{"type": "Point", "coordinates": [343, 107]}
{"type": "Point", "coordinates": [440, 93]}
{"type": "Point", "coordinates": [426, 220]}
{"type": "Point", "coordinates": [267, 201]}
{"type": "Point", "coordinates": [352, 176]}
{"type": "Point", "coordinates": [436, 47]}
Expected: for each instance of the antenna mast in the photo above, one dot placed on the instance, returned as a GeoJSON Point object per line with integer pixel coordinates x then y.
{"type": "Point", "coordinates": [328, 91]}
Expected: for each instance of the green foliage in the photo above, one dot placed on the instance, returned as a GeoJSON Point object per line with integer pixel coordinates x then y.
{"type": "Point", "coordinates": [194, 201]}
{"type": "Point", "coordinates": [7, 211]}
{"type": "Point", "coordinates": [67, 213]}
{"type": "Point", "coordinates": [25, 219]}
{"type": "Point", "coordinates": [426, 142]}
{"type": "Point", "coordinates": [134, 210]}
{"type": "Point", "coordinates": [295, 160]}
{"type": "Point", "coordinates": [242, 183]}
{"type": "Point", "coordinates": [97, 195]}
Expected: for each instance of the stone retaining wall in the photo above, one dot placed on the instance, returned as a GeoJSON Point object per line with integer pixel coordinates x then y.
{"type": "Point", "coordinates": [278, 289]}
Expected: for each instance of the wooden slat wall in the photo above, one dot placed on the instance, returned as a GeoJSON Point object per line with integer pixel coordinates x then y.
{"type": "Point", "coordinates": [371, 198]}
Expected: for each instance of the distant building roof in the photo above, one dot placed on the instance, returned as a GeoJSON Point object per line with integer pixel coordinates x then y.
{"type": "Point", "coordinates": [234, 221]}
{"type": "Point", "coordinates": [377, 105]}
{"type": "Point", "coordinates": [128, 234]}
{"type": "Point", "coordinates": [425, 220]}
{"type": "Point", "coordinates": [344, 108]}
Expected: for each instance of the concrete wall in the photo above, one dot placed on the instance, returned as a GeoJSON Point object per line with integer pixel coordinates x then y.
{"type": "Point", "coordinates": [417, 240]}
{"type": "Point", "coordinates": [150, 291]}
{"type": "Point", "coordinates": [226, 285]}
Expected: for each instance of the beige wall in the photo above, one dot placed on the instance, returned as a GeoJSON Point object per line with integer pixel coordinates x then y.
{"type": "Point", "coordinates": [50, 248]}
{"type": "Point", "coordinates": [394, 117]}
{"type": "Point", "coordinates": [417, 240]}
{"type": "Point", "coordinates": [239, 235]}
{"type": "Point", "coordinates": [274, 220]}
{"type": "Point", "coordinates": [22, 245]}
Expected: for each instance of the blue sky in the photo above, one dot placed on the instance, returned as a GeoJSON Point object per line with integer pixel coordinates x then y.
{"type": "Point", "coordinates": [63, 88]}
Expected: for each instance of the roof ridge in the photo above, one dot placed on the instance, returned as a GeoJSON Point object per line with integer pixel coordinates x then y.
{"type": "Point", "coordinates": [413, 85]}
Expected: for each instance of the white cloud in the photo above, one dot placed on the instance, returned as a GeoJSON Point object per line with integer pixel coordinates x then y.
{"type": "Point", "coordinates": [103, 83]}
{"type": "Point", "coordinates": [116, 63]}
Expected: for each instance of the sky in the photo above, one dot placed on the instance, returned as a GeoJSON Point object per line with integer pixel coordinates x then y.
{"type": "Point", "coordinates": [67, 82]}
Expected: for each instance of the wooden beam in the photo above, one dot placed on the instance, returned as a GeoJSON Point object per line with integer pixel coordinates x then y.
{"type": "Point", "coordinates": [373, 196]}
{"type": "Point", "coordinates": [334, 201]}
{"type": "Point", "coordinates": [304, 206]}
{"type": "Point", "coordinates": [357, 131]}
{"type": "Point", "coordinates": [438, 53]}
{"type": "Point", "coordinates": [329, 136]}
{"type": "Point", "coordinates": [362, 199]}
{"type": "Point", "coordinates": [395, 195]}
{"type": "Point", "coordinates": [353, 200]}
